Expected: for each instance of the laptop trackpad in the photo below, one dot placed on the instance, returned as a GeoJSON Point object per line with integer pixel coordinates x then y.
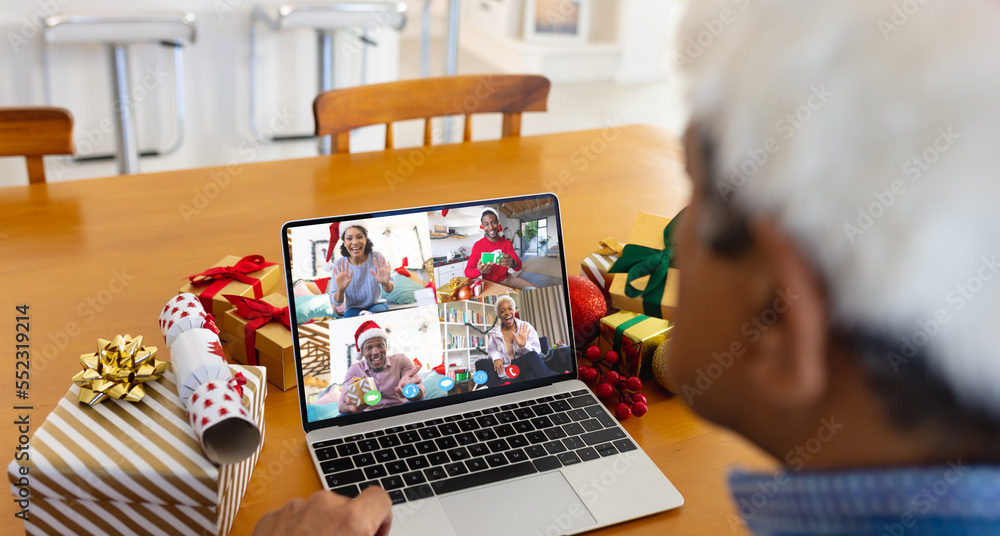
{"type": "Point", "coordinates": [544, 503]}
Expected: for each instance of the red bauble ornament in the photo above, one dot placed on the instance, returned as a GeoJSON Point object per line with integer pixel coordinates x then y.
{"type": "Point", "coordinates": [622, 411]}
{"type": "Point", "coordinates": [639, 409]}
{"type": "Point", "coordinates": [639, 397]}
{"type": "Point", "coordinates": [593, 353]}
{"type": "Point", "coordinates": [633, 384]}
{"type": "Point", "coordinates": [611, 357]}
{"type": "Point", "coordinates": [605, 390]}
{"type": "Point", "coordinates": [588, 307]}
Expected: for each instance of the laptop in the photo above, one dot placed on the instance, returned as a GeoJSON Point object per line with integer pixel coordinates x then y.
{"type": "Point", "coordinates": [409, 381]}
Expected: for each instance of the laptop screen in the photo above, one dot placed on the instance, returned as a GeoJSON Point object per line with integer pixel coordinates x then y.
{"type": "Point", "coordinates": [398, 311]}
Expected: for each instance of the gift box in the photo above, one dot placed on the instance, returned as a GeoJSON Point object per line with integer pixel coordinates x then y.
{"type": "Point", "coordinates": [595, 266]}
{"type": "Point", "coordinates": [131, 468]}
{"type": "Point", "coordinates": [355, 391]}
{"type": "Point", "coordinates": [635, 338]}
{"type": "Point", "coordinates": [250, 276]}
{"type": "Point", "coordinates": [643, 281]}
{"type": "Point", "coordinates": [272, 338]}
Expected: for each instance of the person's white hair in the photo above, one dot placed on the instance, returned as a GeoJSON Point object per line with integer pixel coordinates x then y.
{"type": "Point", "coordinates": [504, 298]}
{"type": "Point", "coordinates": [869, 131]}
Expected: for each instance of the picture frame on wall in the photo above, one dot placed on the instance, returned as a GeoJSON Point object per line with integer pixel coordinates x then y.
{"type": "Point", "coordinates": [557, 21]}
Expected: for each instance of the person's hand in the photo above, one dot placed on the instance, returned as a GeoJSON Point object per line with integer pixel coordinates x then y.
{"type": "Point", "coordinates": [350, 408]}
{"type": "Point", "coordinates": [369, 514]}
{"type": "Point", "coordinates": [521, 337]}
{"type": "Point", "coordinates": [382, 272]}
{"type": "Point", "coordinates": [498, 366]}
{"type": "Point", "coordinates": [409, 377]}
{"type": "Point", "coordinates": [484, 267]}
{"type": "Point", "coordinates": [342, 275]}
{"type": "Point", "coordinates": [505, 260]}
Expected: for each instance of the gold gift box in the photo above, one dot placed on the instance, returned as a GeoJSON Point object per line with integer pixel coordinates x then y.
{"type": "Point", "coordinates": [273, 344]}
{"type": "Point", "coordinates": [647, 231]}
{"type": "Point", "coordinates": [269, 276]}
{"type": "Point", "coordinates": [642, 334]}
{"type": "Point", "coordinates": [355, 391]}
{"type": "Point", "coordinates": [132, 468]}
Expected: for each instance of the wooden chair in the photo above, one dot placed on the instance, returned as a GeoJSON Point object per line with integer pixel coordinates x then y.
{"type": "Point", "coordinates": [34, 132]}
{"type": "Point", "coordinates": [339, 111]}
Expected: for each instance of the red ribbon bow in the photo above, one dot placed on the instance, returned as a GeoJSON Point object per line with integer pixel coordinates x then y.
{"type": "Point", "coordinates": [238, 382]}
{"type": "Point", "coordinates": [218, 277]}
{"type": "Point", "coordinates": [258, 313]}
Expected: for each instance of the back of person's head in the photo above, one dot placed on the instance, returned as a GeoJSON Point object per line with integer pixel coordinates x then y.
{"type": "Point", "coordinates": [870, 132]}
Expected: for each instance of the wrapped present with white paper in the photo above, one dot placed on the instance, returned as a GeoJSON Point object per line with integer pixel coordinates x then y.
{"type": "Point", "coordinates": [356, 389]}
{"type": "Point", "coordinates": [121, 467]}
{"type": "Point", "coordinates": [595, 266]}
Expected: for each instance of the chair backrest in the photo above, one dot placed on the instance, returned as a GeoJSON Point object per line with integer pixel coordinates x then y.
{"type": "Point", "coordinates": [339, 111]}
{"type": "Point", "coordinates": [33, 132]}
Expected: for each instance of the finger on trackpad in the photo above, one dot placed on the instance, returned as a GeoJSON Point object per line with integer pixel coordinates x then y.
{"type": "Point", "coordinates": [544, 505]}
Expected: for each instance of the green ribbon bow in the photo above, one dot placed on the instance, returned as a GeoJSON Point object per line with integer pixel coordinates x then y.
{"type": "Point", "coordinates": [641, 262]}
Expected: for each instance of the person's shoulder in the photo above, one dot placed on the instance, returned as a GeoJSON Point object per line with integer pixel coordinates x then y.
{"type": "Point", "coordinates": [400, 358]}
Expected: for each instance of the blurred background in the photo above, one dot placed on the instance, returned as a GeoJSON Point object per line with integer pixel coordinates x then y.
{"type": "Point", "coordinates": [610, 62]}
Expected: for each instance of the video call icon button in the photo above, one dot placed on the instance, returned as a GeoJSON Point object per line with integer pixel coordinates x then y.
{"type": "Point", "coordinates": [410, 390]}
{"type": "Point", "coordinates": [373, 397]}
{"type": "Point", "coordinates": [446, 384]}
{"type": "Point", "coordinates": [480, 377]}
{"type": "Point", "coordinates": [512, 371]}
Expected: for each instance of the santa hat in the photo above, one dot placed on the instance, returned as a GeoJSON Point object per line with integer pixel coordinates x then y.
{"type": "Point", "coordinates": [501, 299]}
{"type": "Point", "coordinates": [369, 330]}
{"type": "Point", "coordinates": [491, 211]}
{"type": "Point", "coordinates": [334, 236]}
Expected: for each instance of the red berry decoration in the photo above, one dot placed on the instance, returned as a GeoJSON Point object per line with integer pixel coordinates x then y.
{"type": "Point", "coordinates": [605, 390]}
{"type": "Point", "coordinates": [633, 384]}
{"type": "Point", "coordinates": [592, 375]}
{"type": "Point", "coordinates": [612, 377]}
{"type": "Point", "coordinates": [587, 307]}
{"type": "Point", "coordinates": [593, 353]}
{"type": "Point", "coordinates": [611, 357]}
{"type": "Point", "coordinates": [639, 409]}
{"type": "Point", "coordinates": [622, 411]}
{"type": "Point", "coordinates": [639, 397]}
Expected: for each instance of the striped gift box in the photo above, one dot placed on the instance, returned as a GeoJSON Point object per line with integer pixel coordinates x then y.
{"type": "Point", "coordinates": [595, 266]}
{"type": "Point", "coordinates": [124, 468]}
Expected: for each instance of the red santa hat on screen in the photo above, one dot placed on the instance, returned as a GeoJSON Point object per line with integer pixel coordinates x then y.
{"type": "Point", "coordinates": [369, 330]}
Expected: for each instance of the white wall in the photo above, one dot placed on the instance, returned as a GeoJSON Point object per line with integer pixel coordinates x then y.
{"type": "Point", "coordinates": [216, 85]}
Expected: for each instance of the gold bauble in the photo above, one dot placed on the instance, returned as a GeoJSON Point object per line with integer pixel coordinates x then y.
{"type": "Point", "coordinates": [660, 369]}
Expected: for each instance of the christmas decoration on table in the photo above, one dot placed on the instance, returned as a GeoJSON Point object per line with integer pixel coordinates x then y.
{"type": "Point", "coordinates": [210, 394]}
{"type": "Point", "coordinates": [118, 370]}
{"type": "Point", "coordinates": [610, 383]}
{"type": "Point", "coordinates": [138, 465]}
{"type": "Point", "coordinates": [587, 306]}
{"type": "Point", "coordinates": [644, 281]}
{"type": "Point", "coordinates": [661, 372]}
{"type": "Point", "coordinates": [459, 288]}
{"type": "Point", "coordinates": [259, 332]}
{"type": "Point", "coordinates": [250, 276]}
{"type": "Point", "coordinates": [634, 337]}
{"type": "Point", "coordinates": [595, 266]}
{"type": "Point", "coordinates": [183, 313]}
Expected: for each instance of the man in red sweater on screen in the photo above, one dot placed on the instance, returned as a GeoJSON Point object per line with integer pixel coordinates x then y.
{"type": "Point", "coordinates": [500, 259]}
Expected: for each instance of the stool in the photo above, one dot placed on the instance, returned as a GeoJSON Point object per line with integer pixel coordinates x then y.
{"type": "Point", "coordinates": [325, 20]}
{"type": "Point", "coordinates": [118, 31]}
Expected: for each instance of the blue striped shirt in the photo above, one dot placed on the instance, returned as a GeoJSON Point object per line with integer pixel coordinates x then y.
{"type": "Point", "coordinates": [364, 291]}
{"type": "Point", "coordinates": [914, 501]}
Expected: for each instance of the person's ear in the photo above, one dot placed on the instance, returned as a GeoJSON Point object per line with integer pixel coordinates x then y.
{"type": "Point", "coordinates": [789, 360]}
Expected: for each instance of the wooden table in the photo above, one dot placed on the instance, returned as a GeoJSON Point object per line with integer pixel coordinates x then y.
{"type": "Point", "coordinates": [95, 258]}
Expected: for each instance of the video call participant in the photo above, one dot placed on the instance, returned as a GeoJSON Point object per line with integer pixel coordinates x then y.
{"type": "Point", "coordinates": [508, 261]}
{"type": "Point", "coordinates": [359, 274]}
{"type": "Point", "coordinates": [390, 372]}
{"type": "Point", "coordinates": [512, 342]}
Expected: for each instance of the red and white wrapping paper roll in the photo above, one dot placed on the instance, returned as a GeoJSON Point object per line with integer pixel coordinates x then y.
{"type": "Point", "coordinates": [181, 313]}
{"type": "Point", "coordinates": [213, 402]}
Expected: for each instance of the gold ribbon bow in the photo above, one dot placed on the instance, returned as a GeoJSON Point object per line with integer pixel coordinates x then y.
{"type": "Point", "coordinates": [609, 246]}
{"type": "Point", "coordinates": [117, 370]}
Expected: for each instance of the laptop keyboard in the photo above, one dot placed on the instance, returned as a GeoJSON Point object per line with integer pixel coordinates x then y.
{"type": "Point", "coordinates": [458, 452]}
